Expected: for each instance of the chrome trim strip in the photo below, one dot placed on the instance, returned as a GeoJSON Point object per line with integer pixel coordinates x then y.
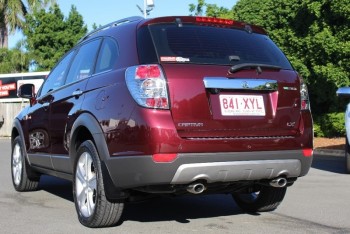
{"type": "Point", "coordinates": [240, 137]}
{"type": "Point", "coordinates": [245, 84]}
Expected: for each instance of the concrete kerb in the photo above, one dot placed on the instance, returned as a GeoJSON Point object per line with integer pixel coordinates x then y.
{"type": "Point", "coordinates": [329, 152]}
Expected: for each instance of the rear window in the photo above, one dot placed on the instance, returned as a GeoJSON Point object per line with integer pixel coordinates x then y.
{"type": "Point", "coordinates": [208, 45]}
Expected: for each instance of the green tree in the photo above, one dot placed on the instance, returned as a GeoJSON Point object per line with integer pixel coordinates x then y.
{"type": "Point", "coordinates": [12, 16]}
{"type": "Point", "coordinates": [50, 35]}
{"type": "Point", "coordinates": [197, 9]}
{"type": "Point", "coordinates": [211, 10]}
{"type": "Point", "coordinates": [13, 61]}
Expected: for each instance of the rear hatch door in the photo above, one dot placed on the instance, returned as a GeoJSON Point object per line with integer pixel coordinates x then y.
{"type": "Point", "coordinates": [207, 104]}
{"type": "Point", "coordinates": [226, 79]}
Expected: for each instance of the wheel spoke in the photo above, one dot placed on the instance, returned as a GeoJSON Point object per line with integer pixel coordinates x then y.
{"type": "Point", "coordinates": [93, 183]}
{"type": "Point", "coordinates": [81, 197]}
{"type": "Point", "coordinates": [79, 175]}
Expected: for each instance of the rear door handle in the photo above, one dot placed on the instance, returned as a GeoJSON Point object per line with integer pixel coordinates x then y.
{"type": "Point", "coordinates": [77, 93]}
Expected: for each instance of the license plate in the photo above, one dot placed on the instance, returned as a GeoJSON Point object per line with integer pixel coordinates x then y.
{"type": "Point", "coordinates": [242, 105]}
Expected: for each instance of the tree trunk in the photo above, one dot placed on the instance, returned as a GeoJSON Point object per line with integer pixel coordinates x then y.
{"type": "Point", "coordinates": [3, 36]}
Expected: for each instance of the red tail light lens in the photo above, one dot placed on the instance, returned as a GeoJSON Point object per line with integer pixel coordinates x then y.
{"type": "Point", "coordinates": [164, 158]}
{"type": "Point", "coordinates": [150, 71]}
{"type": "Point", "coordinates": [147, 85]}
{"type": "Point", "coordinates": [307, 152]}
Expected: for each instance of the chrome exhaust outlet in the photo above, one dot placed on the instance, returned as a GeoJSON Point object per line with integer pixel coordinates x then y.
{"type": "Point", "coordinates": [279, 182]}
{"type": "Point", "coordinates": [196, 188]}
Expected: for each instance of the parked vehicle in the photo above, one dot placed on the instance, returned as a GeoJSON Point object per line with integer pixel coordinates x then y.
{"type": "Point", "coordinates": [167, 106]}
{"type": "Point", "coordinates": [345, 93]}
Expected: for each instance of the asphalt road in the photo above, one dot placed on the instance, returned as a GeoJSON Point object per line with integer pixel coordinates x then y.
{"type": "Point", "coordinates": [317, 203]}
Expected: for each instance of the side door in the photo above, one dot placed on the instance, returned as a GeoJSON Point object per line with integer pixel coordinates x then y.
{"type": "Point", "coordinates": [38, 133]}
{"type": "Point", "coordinates": [66, 104]}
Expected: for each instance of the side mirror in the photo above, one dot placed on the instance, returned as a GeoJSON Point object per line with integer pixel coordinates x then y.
{"type": "Point", "coordinates": [343, 92]}
{"type": "Point", "coordinates": [26, 91]}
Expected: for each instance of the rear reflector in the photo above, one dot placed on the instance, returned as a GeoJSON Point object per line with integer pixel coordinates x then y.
{"type": "Point", "coordinates": [307, 152]}
{"type": "Point", "coordinates": [163, 158]}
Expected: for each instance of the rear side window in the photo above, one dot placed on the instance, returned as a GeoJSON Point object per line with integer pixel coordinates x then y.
{"type": "Point", "coordinates": [108, 55]}
{"type": "Point", "coordinates": [214, 45]}
{"type": "Point", "coordinates": [83, 63]}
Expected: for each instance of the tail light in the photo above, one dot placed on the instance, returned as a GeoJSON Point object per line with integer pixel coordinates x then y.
{"type": "Point", "coordinates": [147, 85]}
{"type": "Point", "coordinates": [304, 94]}
{"type": "Point", "coordinates": [307, 152]}
{"type": "Point", "coordinates": [164, 158]}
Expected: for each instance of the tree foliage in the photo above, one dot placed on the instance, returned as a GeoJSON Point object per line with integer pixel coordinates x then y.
{"type": "Point", "coordinates": [13, 61]}
{"type": "Point", "coordinates": [12, 15]}
{"type": "Point", "coordinates": [50, 35]}
{"type": "Point", "coordinates": [211, 10]}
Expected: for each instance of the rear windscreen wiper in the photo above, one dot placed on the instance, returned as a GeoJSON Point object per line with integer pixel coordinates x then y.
{"type": "Point", "coordinates": [258, 67]}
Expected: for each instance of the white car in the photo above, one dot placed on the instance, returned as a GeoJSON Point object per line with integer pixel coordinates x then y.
{"type": "Point", "coordinates": [345, 92]}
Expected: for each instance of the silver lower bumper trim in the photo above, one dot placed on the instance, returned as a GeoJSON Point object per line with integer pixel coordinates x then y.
{"type": "Point", "coordinates": [236, 171]}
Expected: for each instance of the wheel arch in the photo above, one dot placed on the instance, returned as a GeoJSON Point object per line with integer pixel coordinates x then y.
{"type": "Point", "coordinates": [86, 127]}
{"type": "Point", "coordinates": [17, 131]}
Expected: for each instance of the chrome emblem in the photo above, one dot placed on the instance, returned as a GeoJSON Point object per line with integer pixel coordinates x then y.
{"type": "Point", "coordinates": [289, 88]}
{"type": "Point", "coordinates": [186, 125]}
{"type": "Point", "coordinates": [290, 124]}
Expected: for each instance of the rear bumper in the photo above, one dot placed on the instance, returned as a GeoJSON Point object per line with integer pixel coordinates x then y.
{"type": "Point", "coordinates": [136, 171]}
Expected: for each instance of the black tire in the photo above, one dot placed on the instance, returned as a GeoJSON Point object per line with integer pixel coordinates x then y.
{"type": "Point", "coordinates": [92, 206]}
{"type": "Point", "coordinates": [266, 199]}
{"type": "Point", "coordinates": [23, 178]}
{"type": "Point", "coordinates": [347, 155]}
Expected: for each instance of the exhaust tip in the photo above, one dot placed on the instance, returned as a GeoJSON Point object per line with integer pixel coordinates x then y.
{"type": "Point", "coordinates": [279, 182]}
{"type": "Point", "coordinates": [196, 188]}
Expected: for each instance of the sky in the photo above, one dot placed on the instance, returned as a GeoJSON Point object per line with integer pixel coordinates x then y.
{"type": "Point", "coordinates": [103, 12]}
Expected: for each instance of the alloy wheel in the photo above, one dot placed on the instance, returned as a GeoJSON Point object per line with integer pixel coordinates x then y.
{"type": "Point", "coordinates": [17, 164]}
{"type": "Point", "coordinates": [86, 185]}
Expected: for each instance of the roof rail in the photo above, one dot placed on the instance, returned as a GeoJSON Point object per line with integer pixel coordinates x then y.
{"type": "Point", "coordinates": [113, 24]}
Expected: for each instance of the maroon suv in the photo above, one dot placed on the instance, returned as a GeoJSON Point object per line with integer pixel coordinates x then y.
{"type": "Point", "coordinates": [171, 106]}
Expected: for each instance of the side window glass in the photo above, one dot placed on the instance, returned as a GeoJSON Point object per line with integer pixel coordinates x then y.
{"type": "Point", "coordinates": [108, 55]}
{"type": "Point", "coordinates": [83, 63]}
{"type": "Point", "coordinates": [56, 77]}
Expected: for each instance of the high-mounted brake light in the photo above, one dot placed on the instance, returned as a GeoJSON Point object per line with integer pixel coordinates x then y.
{"type": "Point", "coordinates": [214, 20]}
{"type": "Point", "coordinates": [148, 86]}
